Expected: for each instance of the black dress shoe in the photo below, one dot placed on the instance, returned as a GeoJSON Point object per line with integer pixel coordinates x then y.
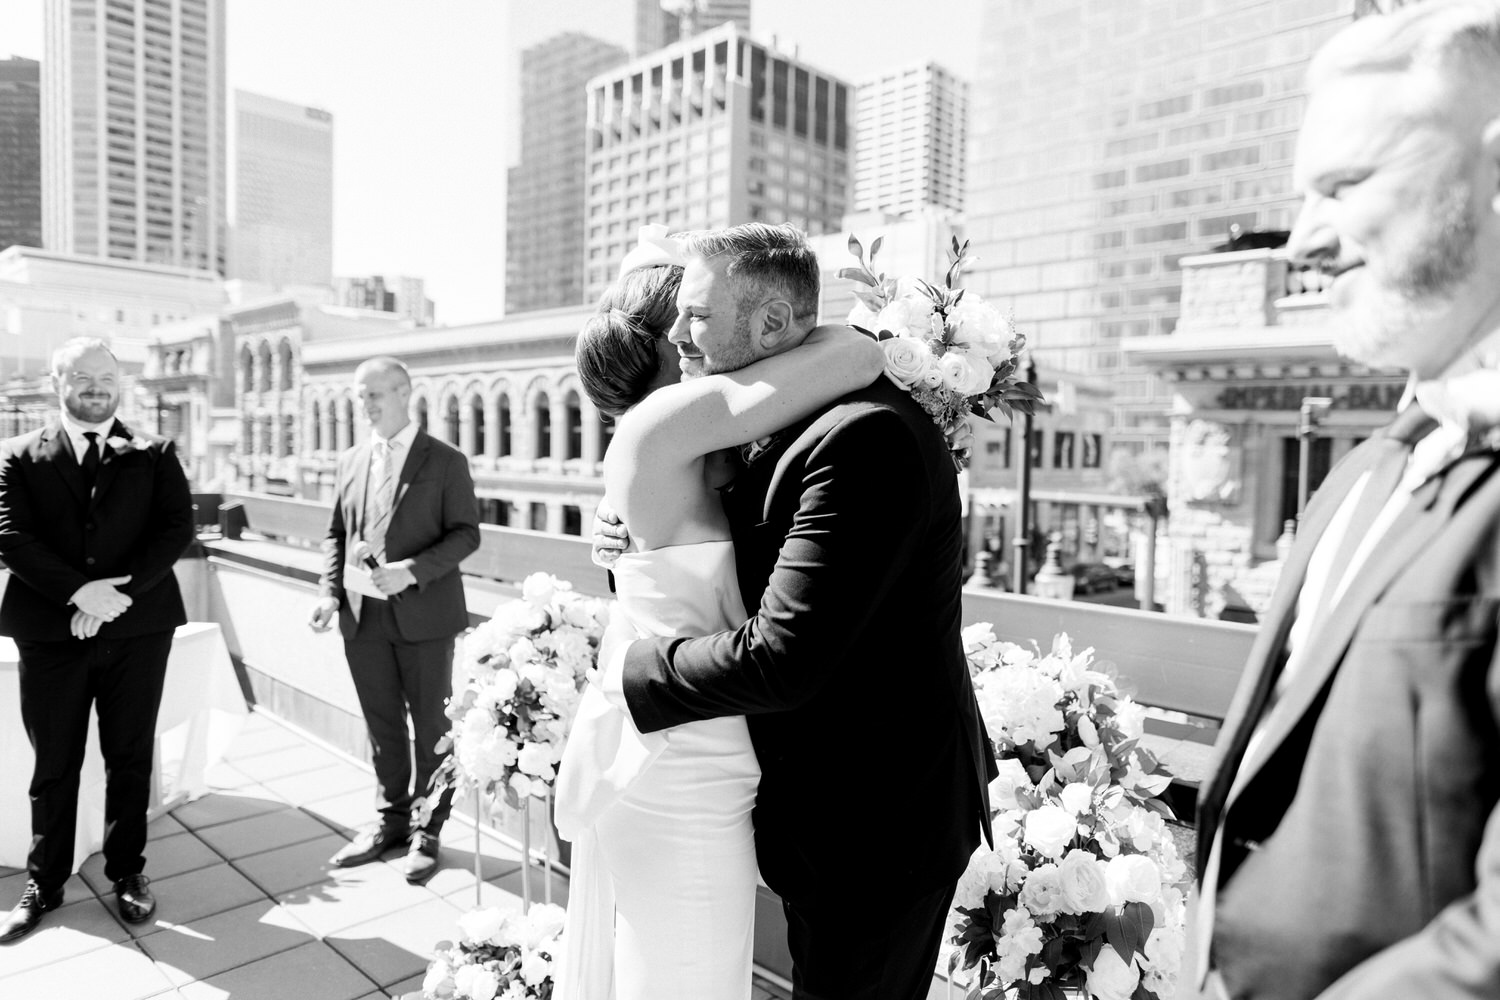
{"type": "Point", "coordinates": [134, 898]}
{"type": "Point", "coordinates": [28, 912]}
{"type": "Point", "coordinates": [422, 858]}
{"type": "Point", "coordinates": [369, 846]}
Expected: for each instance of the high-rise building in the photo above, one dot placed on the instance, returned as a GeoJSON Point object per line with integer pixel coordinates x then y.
{"type": "Point", "coordinates": [544, 193]}
{"type": "Point", "coordinates": [654, 27]}
{"type": "Point", "coordinates": [402, 295]}
{"type": "Point", "coordinates": [700, 15]}
{"type": "Point", "coordinates": [911, 134]}
{"type": "Point", "coordinates": [1137, 134]}
{"type": "Point", "coordinates": [133, 131]}
{"type": "Point", "coordinates": [712, 131]}
{"type": "Point", "coordinates": [281, 230]}
{"type": "Point", "coordinates": [20, 153]}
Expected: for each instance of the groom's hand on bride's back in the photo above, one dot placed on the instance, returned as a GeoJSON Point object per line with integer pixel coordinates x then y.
{"type": "Point", "coordinates": [610, 537]}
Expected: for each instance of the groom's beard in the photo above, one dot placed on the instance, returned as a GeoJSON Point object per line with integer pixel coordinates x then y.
{"type": "Point", "coordinates": [736, 354]}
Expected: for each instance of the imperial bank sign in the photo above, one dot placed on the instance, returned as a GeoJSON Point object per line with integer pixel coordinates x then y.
{"type": "Point", "coordinates": [1283, 396]}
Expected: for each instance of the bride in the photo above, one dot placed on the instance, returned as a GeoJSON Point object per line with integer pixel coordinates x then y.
{"type": "Point", "coordinates": [661, 903]}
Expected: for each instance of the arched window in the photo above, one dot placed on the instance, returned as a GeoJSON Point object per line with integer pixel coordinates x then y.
{"type": "Point", "coordinates": [330, 427]}
{"type": "Point", "coordinates": [267, 435]}
{"type": "Point", "coordinates": [315, 426]}
{"type": "Point", "coordinates": [543, 426]}
{"type": "Point", "coordinates": [247, 371]}
{"type": "Point", "coordinates": [502, 412]}
{"type": "Point", "coordinates": [422, 415]}
{"type": "Point", "coordinates": [451, 422]}
{"type": "Point", "coordinates": [346, 423]}
{"type": "Point", "coordinates": [288, 435]}
{"type": "Point", "coordinates": [263, 364]}
{"type": "Point", "coordinates": [476, 414]}
{"type": "Point", "coordinates": [574, 425]}
{"type": "Point", "coordinates": [284, 356]}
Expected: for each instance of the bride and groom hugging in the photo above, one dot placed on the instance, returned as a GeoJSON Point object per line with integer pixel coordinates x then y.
{"type": "Point", "coordinates": [783, 686]}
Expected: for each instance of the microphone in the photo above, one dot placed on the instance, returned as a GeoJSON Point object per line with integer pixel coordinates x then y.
{"type": "Point", "coordinates": [366, 555]}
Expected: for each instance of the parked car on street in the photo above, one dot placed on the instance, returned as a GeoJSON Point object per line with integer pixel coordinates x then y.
{"type": "Point", "coordinates": [1092, 577]}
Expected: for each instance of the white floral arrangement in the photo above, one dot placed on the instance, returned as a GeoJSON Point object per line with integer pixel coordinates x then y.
{"type": "Point", "coordinates": [498, 957]}
{"type": "Point", "coordinates": [121, 444]}
{"type": "Point", "coordinates": [526, 668]}
{"type": "Point", "coordinates": [1084, 889]}
{"type": "Point", "coordinates": [955, 353]}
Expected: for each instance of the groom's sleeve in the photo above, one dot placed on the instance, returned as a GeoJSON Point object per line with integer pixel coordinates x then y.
{"type": "Point", "coordinates": [865, 504]}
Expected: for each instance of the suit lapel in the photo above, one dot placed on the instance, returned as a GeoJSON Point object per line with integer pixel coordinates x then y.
{"type": "Point", "coordinates": [109, 462]}
{"type": "Point", "coordinates": [414, 459]}
{"type": "Point", "coordinates": [54, 449]}
{"type": "Point", "coordinates": [1426, 514]}
{"type": "Point", "coordinates": [358, 483]}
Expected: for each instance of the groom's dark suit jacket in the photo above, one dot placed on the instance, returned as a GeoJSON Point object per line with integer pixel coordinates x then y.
{"type": "Point", "coordinates": [874, 760]}
{"type": "Point", "coordinates": [1361, 848]}
{"type": "Point", "coordinates": [55, 536]}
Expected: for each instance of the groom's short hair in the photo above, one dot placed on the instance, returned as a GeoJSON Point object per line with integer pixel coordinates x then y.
{"type": "Point", "coordinates": [763, 258]}
{"type": "Point", "coordinates": [1452, 36]}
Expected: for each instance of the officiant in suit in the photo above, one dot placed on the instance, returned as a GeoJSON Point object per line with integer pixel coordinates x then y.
{"type": "Point", "coordinates": [1349, 840]}
{"type": "Point", "coordinates": [404, 519]}
{"type": "Point", "coordinates": [92, 516]}
{"type": "Point", "coordinates": [850, 671]}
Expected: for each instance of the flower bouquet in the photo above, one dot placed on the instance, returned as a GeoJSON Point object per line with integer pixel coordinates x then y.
{"type": "Point", "coordinates": [498, 957]}
{"type": "Point", "coordinates": [955, 353]}
{"type": "Point", "coordinates": [1083, 890]}
{"type": "Point", "coordinates": [526, 668]}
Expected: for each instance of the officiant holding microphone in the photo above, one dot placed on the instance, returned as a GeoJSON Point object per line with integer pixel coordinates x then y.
{"type": "Point", "coordinates": [92, 516]}
{"type": "Point", "coordinates": [405, 517]}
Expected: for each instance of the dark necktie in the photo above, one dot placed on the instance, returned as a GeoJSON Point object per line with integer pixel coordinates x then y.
{"type": "Point", "coordinates": [90, 460]}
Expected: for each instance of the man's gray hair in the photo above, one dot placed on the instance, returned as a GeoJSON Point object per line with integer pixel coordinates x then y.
{"type": "Point", "coordinates": [761, 259]}
{"type": "Point", "coordinates": [1442, 36]}
{"type": "Point", "coordinates": [71, 350]}
{"type": "Point", "coordinates": [388, 365]}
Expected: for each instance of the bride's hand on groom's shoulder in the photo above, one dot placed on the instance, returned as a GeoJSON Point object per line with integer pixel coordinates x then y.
{"type": "Point", "coordinates": [610, 537]}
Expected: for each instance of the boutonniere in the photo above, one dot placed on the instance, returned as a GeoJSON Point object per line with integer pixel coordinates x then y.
{"type": "Point", "coordinates": [124, 444]}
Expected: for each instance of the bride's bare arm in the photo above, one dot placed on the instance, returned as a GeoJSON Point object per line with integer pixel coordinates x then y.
{"type": "Point", "coordinates": [683, 422]}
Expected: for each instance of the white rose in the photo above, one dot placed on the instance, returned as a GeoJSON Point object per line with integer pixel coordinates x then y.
{"type": "Point", "coordinates": [976, 323]}
{"type": "Point", "coordinates": [438, 974]}
{"type": "Point", "coordinates": [1083, 886]}
{"type": "Point", "coordinates": [1132, 878]}
{"type": "Point", "coordinates": [521, 785]}
{"type": "Point", "coordinates": [1130, 717]}
{"type": "Point", "coordinates": [1077, 797]}
{"type": "Point", "coordinates": [906, 360]}
{"type": "Point", "coordinates": [1011, 777]}
{"type": "Point", "coordinates": [502, 686]}
{"type": "Point", "coordinates": [1048, 829]}
{"type": "Point", "coordinates": [1111, 978]}
{"type": "Point", "coordinates": [962, 375]}
{"type": "Point", "coordinates": [1041, 893]}
{"type": "Point", "coordinates": [932, 378]}
{"type": "Point", "coordinates": [907, 316]}
{"type": "Point", "coordinates": [536, 760]}
{"type": "Point", "coordinates": [476, 982]}
{"type": "Point", "coordinates": [538, 588]}
{"type": "Point", "coordinates": [480, 926]}
{"type": "Point", "coordinates": [535, 968]}
{"type": "Point", "coordinates": [545, 921]}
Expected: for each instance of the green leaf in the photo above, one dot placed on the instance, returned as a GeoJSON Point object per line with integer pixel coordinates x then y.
{"type": "Point", "coordinates": [856, 248]}
{"type": "Point", "coordinates": [867, 333]}
{"type": "Point", "coordinates": [1127, 929]}
{"type": "Point", "coordinates": [875, 247]}
{"type": "Point", "coordinates": [858, 274]}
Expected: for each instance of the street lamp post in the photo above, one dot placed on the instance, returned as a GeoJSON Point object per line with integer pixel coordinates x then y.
{"type": "Point", "coordinates": [1022, 541]}
{"type": "Point", "coordinates": [1313, 408]}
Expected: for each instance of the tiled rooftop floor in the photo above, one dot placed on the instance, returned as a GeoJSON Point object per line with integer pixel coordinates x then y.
{"type": "Point", "coordinates": [247, 904]}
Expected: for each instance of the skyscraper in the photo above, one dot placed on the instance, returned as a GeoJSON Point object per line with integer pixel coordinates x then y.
{"type": "Point", "coordinates": [544, 194]}
{"type": "Point", "coordinates": [20, 153]}
{"type": "Point", "coordinates": [282, 226]}
{"type": "Point", "coordinates": [654, 27]}
{"type": "Point", "coordinates": [133, 130]}
{"type": "Point", "coordinates": [1136, 134]}
{"type": "Point", "coordinates": [701, 15]}
{"type": "Point", "coordinates": [712, 131]}
{"type": "Point", "coordinates": [911, 139]}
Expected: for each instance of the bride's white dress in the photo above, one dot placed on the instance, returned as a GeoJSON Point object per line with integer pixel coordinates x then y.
{"type": "Point", "coordinates": [662, 895]}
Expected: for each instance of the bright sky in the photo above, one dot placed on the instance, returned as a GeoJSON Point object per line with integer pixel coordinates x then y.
{"type": "Point", "coordinates": [422, 93]}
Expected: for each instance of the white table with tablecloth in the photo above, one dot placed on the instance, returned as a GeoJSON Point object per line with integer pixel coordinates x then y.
{"type": "Point", "coordinates": [202, 711]}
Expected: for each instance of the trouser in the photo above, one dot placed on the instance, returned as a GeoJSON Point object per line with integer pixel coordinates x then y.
{"type": "Point", "coordinates": [873, 951]}
{"type": "Point", "coordinates": [122, 678]}
{"type": "Point", "coordinates": [394, 678]}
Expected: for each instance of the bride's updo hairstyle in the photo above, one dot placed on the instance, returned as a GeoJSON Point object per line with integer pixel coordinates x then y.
{"type": "Point", "coordinates": [618, 353]}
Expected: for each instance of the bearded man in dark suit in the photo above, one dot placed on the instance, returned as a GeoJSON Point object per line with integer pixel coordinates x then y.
{"type": "Point", "coordinates": [405, 506]}
{"type": "Point", "coordinates": [1349, 840]}
{"type": "Point", "coordinates": [92, 516]}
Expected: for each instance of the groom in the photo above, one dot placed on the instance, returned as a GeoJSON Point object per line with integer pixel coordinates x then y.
{"type": "Point", "coordinates": [1349, 842]}
{"type": "Point", "coordinates": [874, 761]}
